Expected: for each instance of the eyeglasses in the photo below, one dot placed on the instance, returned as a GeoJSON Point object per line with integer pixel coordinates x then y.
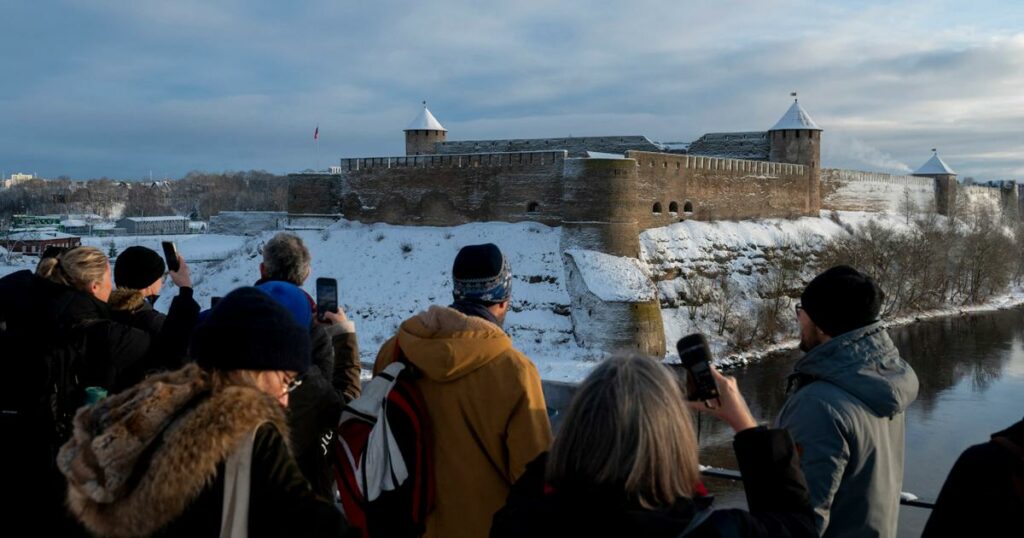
{"type": "Point", "coordinates": [797, 308]}
{"type": "Point", "coordinates": [292, 384]}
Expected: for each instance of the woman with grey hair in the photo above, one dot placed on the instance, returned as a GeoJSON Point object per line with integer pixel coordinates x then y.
{"type": "Point", "coordinates": [625, 464]}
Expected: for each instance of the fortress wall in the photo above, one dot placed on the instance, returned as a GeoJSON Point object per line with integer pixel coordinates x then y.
{"type": "Point", "coordinates": [718, 188]}
{"type": "Point", "coordinates": [313, 194]}
{"type": "Point", "coordinates": [978, 198]}
{"type": "Point", "coordinates": [438, 190]}
{"type": "Point", "coordinates": [599, 201]}
{"type": "Point", "coordinates": [576, 146]}
{"type": "Point", "coordinates": [853, 190]}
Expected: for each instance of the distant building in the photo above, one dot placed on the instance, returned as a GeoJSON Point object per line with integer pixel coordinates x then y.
{"type": "Point", "coordinates": [154, 225]}
{"type": "Point", "coordinates": [75, 227]}
{"type": "Point", "coordinates": [15, 179]}
{"type": "Point", "coordinates": [35, 242]}
{"type": "Point", "coordinates": [35, 222]}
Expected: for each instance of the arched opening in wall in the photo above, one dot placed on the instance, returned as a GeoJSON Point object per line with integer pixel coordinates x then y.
{"type": "Point", "coordinates": [688, 207]}
{"type": "Point", "coordinates": [673, 207]}
{"type": "Point", "coordinates": [657, 207]}
{"type": "Point", "coordinates": [532, 207]}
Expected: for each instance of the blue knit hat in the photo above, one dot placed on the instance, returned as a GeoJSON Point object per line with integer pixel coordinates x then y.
{"type": "Point", "coordinates": [482, 275]}
{"type": "Point", "coordinates": [249, 330]}
{"type": "Point", "coordinates": [291, 297]}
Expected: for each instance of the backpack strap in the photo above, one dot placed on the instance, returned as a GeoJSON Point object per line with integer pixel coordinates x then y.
{"type": "Point", "coordinates": [1016, 450]}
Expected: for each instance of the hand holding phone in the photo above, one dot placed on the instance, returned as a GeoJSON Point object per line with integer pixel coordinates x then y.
{"type": "Point", "coordinates": [695, 355]}
{"type": "Point", "coordinates": [171, 255]}
{"type": "Point", "coordinates": [326, 296]}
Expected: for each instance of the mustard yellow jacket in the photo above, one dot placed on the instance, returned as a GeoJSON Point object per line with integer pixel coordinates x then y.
{"type": "Point", "coordinates": [485, 403]}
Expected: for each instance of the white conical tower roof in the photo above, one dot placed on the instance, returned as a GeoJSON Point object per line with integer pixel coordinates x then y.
{"type": "Point", "coordinates": [934, 166]}
{"type": "Point", "coordinates": [425, 121]}
{"type": "Point", "coordinates": [796, 118]}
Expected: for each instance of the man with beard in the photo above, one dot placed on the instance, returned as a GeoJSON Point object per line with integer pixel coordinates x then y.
{"type": "Point", "coordinates": [846, 408]}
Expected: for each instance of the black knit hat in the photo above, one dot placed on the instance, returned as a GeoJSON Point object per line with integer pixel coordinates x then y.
{"type": "Point", "coordinates": [481, 274]}
{"type": "Point", "coordinates": [248, 330]}
{"type": "Point", "coordinates": [842, 299]}
{"type": "Point", "coordinates": [138, 267]}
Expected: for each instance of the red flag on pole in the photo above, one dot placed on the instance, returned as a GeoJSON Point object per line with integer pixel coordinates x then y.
{"type": "Point", "coordinates": [316, 133]}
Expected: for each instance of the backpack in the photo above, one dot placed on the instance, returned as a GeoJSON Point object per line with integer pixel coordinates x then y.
{"type": "Point", "coordinates": [384, 456]}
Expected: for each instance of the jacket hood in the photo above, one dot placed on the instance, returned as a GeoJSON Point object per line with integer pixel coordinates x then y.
{"type": "Point", "coordinates": [139, 458]}
{"type": "Point", "coordinates": [865, 363]}
{"type": "Point", "coordinates": [446, 344]}
{"type": "Point", "coordinates": [126, 300]}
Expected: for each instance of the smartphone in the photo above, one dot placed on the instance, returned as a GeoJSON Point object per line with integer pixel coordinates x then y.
{"type": "Point", "coordinates": [214, 300]}
{"type": "Point", "coordinates": [171, 255]}
{"type": "Point", "coordinates": [326, 296]}
{"type": "Point", "coordinates": [695, 355]}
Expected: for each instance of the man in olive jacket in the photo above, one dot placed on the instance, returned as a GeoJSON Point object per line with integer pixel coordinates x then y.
{"type": "Point", "coordinates": [847, 405]}
{"type": "Point", "coordinates": [483, 396]}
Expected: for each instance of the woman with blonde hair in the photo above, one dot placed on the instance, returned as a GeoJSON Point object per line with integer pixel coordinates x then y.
{"type": "Point", "coordinates": [57, 338]}
{"type": "Point", "coordinates": [625, 464]}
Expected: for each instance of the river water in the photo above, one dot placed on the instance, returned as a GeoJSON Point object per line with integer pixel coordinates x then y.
{"type": "Point", "coordinates": [971, 370]}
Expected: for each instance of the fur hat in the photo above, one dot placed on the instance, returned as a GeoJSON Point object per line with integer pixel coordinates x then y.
{"type": "Point", "coordinates": [250, 330]}
{"type": "Point", "coordinates": [842, 299]}
{"type": "Point", "coordinates": [138, 267]}
{"type": "Point", "coordinates": [482, 275]}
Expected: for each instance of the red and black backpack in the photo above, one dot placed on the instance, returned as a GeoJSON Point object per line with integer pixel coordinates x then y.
{"type": "Point", "coordinates": [384, 455]}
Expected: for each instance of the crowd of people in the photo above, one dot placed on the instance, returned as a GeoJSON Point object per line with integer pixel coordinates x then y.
{"type": "Point", "coordinates": [119, 420]}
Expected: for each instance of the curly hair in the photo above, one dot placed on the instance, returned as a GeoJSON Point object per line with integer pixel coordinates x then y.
{"type": "Point", "coordinates": [285, 257]}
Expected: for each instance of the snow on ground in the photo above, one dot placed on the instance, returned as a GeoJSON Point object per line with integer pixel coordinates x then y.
{"type": "Point", "coordinates": [613, 278]}
{"type": "Point", "coordinates": [388, 273]}
{"type": "Point", "coordinates": [195, 248]}
{"type": "Point", "coordinates": [696, 250]}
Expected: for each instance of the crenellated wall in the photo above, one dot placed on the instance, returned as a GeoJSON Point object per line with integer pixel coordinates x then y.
{"type": "Point", "coordinates": [438, 190]}
{"type": "Point", "coordinates": [853, 190]}
{"type": "Point", "coordinates": [671, 188]}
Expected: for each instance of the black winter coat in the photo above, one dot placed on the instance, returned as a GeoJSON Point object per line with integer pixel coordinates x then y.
{"type": "Point", "coordinates": [43, 324]}
{"type": "Point", "coordinates": [984, 492]}
{"type": "Point", "coordinates": [169, 333]}
{"type": "Point", "coordinates": [775, 488]}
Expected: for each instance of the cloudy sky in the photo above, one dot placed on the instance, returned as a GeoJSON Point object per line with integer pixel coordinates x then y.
{"type": "Point", "coordinates": [111, 88]}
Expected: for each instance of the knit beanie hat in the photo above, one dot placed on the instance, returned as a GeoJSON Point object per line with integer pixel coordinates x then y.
{"type": "Point", "coordinates": [482, 275]}
{"type": "Point", "coordinates": [249, 330]}
{"type": "Point", "coordinates": [291, 297]}
{"type": "Point", "coordinates": [138, 267]}
{"type": "Point", "coordinates": [842, 299]}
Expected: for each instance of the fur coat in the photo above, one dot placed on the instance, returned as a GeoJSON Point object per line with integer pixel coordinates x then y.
{"type": "Point", "coordinates": [139, 459]}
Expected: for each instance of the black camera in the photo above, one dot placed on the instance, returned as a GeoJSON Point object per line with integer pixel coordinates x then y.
{"type": "Point", "coordinates": [696, 358]}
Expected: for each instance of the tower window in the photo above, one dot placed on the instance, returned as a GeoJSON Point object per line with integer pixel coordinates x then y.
{"type": "Point", "coordinates": [532, 207]}
{"type": "Point", "coordinates": [673, 207]}
{"type": "Point", "coordinates": [688, 207]}
{"type": "Point", "coordinates": [657, 207]}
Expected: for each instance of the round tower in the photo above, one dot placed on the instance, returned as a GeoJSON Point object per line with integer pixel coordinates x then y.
{"type": "Point", "coordinates": [945, 182]}
{"type": "Point", "coordinates": [423, 132]}
{"type": "Point", "coordinates": [795, 139]}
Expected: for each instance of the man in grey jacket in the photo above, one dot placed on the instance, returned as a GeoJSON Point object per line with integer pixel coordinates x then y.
{"type": "Point", "coordinates": [846, 406]}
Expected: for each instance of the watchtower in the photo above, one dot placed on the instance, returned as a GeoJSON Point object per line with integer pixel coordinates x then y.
{"type": "Point", "coordinates": [423, 132]}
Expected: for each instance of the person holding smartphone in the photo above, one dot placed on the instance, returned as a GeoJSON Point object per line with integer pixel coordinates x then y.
{"type": "Point", "coordinates": [625, 464]}
{"type": "Point", "coordinates": [333, 377]}
{"type": "Point", "coordinates": [139, 274]}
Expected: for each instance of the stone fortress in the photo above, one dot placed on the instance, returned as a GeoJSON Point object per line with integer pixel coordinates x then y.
{"type": "Point", "coordinates": [602, 191]}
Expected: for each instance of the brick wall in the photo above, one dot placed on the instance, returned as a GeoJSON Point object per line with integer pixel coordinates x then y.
{"type": "Point", "coordinates": [709, 188]}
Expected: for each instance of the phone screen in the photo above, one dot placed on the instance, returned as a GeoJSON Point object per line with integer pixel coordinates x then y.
{"type": "Point", "coordinates": [326, 296]}
{"type": "Point", "coordinates": [171, 255]}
